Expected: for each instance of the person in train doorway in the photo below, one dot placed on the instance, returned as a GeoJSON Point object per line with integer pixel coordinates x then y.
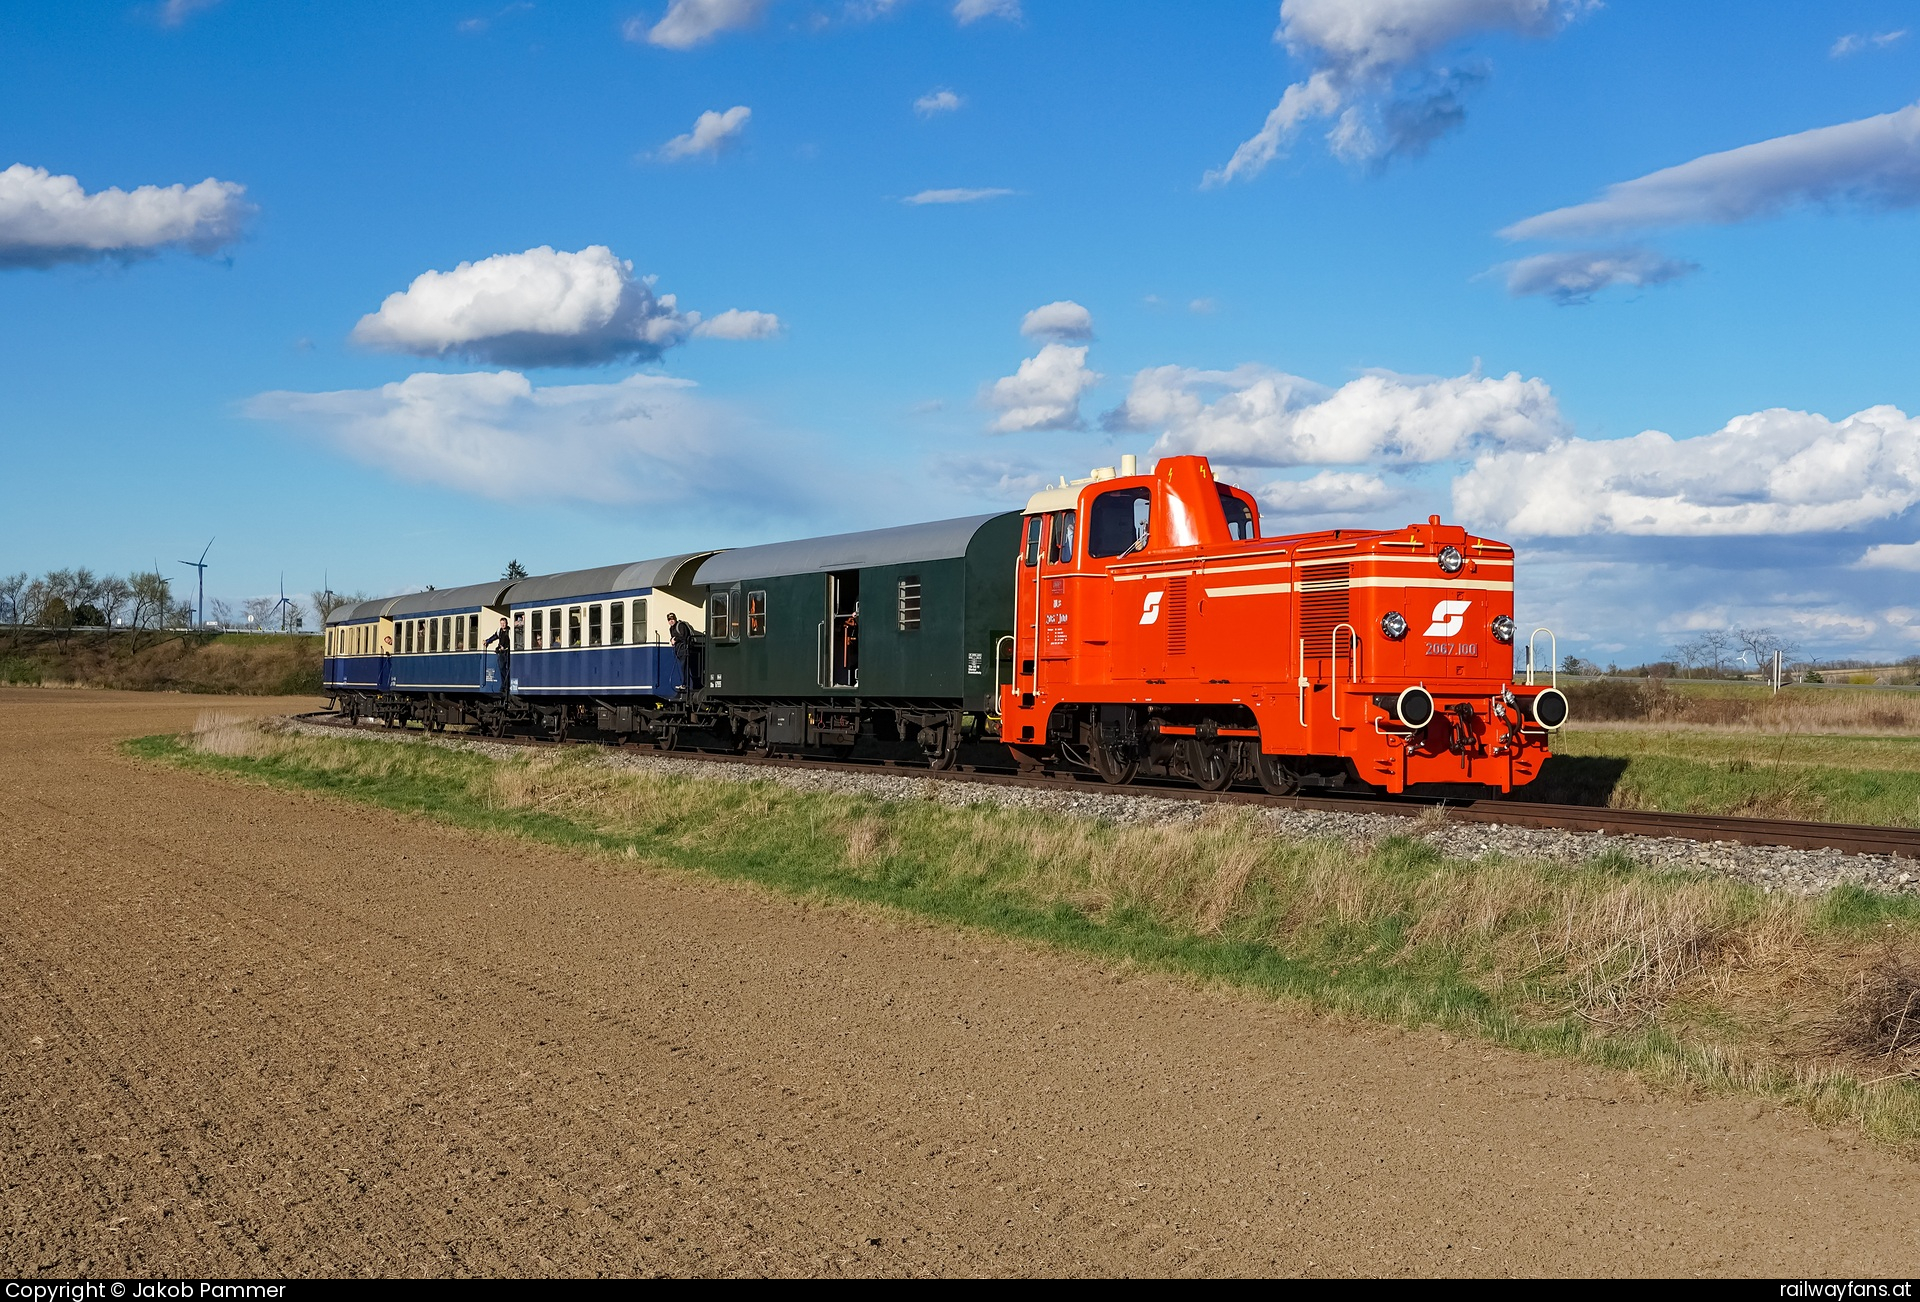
{"type": "Point", "coordinates": [683, 650]}
{"type": "Point", "coordinates": [850, 650]}
{"type": "Point", "coordinates": [505, 645]}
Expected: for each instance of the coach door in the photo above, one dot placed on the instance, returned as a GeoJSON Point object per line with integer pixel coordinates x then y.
{"type": "Point", "coordinates": [840, 631]}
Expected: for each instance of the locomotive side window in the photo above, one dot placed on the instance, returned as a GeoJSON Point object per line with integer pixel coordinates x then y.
{"type": "Point", "coordinates": [907, 602]}
{"type": "Point", "coordinates": [593, 624]}
{"type": "Point", "coordinates": [573, 626]}
{"type": "Point", "coordinates": [617, 623]}
{"type": "Point", "coordinates": [640, 633]}
{"type": "Point", "coordinates": [519, 630]}
{"type": "Point", "coordinates": [1060, 542]}
{"type": "Point", "coordinates": [756, 614]}
{"type": "Point", "coordinates": [1239, 516]}
{"type": "Point", "coordinates": [1118, 520]}
{"type": "Point", "coordinates": [1035, 523]}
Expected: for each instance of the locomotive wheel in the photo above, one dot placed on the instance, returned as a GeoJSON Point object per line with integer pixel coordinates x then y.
{"type": "Point", "coordinates": [1115, 767]}
{"type": "Point", "coordinates": [1276, 779]}
{"type": "Point", "coordinates": [1208, 765]}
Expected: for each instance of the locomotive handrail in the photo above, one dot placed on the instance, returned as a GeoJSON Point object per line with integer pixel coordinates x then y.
{"type": "Point", "coordinates": [1333, 660]}
{"type": "Point", "coordinates": [1553, 656]}
{"type": "Point", "coordinates": [996, 672]}
{"type": "Point", "coordinates": [1305, 684]}
{"type": "Point", "coordinates": [820, 656]}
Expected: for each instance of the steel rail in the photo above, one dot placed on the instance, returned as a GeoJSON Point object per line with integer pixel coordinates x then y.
{"type": "Point", "coordinates": [1848, 838]}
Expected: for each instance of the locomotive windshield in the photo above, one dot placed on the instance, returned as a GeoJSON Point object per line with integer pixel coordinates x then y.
{"type": "Point", "coordinates": [1239, 516]}
{"type": "Point", "coordinates": [1118, 520]}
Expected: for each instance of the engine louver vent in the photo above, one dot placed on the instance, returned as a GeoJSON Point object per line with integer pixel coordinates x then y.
{"type": "Point", "coordinates": [1323, 605]}
{"type": "Point", "coordinates": [1176, 617]}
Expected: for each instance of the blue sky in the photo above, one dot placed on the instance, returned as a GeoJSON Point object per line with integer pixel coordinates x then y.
{"type": "Point", "coordinates": [1336, 324]}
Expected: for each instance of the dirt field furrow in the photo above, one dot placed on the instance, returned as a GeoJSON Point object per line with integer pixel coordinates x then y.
{"type": "Point", "coordinates": [253, 1032]}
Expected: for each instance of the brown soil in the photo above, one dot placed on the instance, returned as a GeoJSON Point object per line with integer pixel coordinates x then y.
{"type": "Point", "coordinates": [252, 1032]}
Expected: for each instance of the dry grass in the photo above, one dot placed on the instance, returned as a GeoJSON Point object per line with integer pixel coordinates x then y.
{"type": "Point", "coordinates": [232, 664]}
{"type": "Point", "coordinates": [1690, 978]}
{"type": "Point", "coordinates": [1747, 707]}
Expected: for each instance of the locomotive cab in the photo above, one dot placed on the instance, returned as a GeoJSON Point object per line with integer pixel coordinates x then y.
{"type": "Point", "coordinates": [1158, 632]}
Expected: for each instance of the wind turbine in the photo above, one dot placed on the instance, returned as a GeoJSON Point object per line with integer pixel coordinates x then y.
{"type": "Point", "coordinates": [200, 617]}
{"type": "Point", "coordinates": [282, 606]}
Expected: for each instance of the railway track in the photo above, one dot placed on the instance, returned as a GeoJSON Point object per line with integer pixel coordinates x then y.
{"type": "Point", "coordinates": [1848, 838]}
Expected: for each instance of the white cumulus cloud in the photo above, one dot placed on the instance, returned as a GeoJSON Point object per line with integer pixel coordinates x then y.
{"type": "Point", "coordinates": [1044, 393]}
{"type": "Point", "coordinates": [1329, 492]}
{"type": "Point", "coordinates": [1575, 276]}
{"type": "Point", "coordinates": [1892, 556]}
{"type": "Point", "coordinates": [954, 196]}
{"type": "Point", "coordinates": [538, 308]}
{"type": "Point", "coordinates": [1376, 76]}
{"type": "Point", "coordinates": [937, 101]}
{"type": "Point", "coordinates": [712, 132]}
{"type": "Point", "coordinates": [1256, 416]}
{"type": "Point", "coordinates": [1765, 474]}
{"type": "Point", "coordinates": [1064, 322]}
{"type": "Point", "coordinates": [1874, 161]}
{"type": "Point", "coordinates": [737, 324]}
{"type": "Point", "coordinates": [646, 440]}
{"type": "Point", "coordinates": [972, 11]}
{"type": "Point", "coordinates": [47, 219]}
{"type": "Point", "coordinates": [688, 23]}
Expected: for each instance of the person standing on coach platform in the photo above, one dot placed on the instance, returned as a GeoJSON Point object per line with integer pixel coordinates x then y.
{"type": "Point", "coordinates": [506, 652]}
{"type": "Point", "coordinates": [682, 634]}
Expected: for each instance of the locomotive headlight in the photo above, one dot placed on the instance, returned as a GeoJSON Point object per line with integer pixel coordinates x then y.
{"type": "Point", "coordinates": [1394, 625]}
{"type": "Point", "coordinates": [1451, 560]}
{"type": "Point", "coordinates": [1503, 629]}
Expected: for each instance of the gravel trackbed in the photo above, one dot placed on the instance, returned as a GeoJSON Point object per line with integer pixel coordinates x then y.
{"type": "Point", "coordinates": [252, 1032]}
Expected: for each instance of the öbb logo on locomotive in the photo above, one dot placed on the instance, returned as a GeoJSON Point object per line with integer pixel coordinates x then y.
{"type": "Point", "coordinates": [1128, 624]}
{"type": "Point", "coordinates": [1448, 616]}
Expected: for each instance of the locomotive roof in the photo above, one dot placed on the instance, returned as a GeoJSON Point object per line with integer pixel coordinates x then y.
{"type": "Point", "coordinates": [902, 545]}
{"type": "Point", "coordinates": [661, 572]}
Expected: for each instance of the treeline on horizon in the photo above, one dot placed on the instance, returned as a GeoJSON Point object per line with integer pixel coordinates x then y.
{"type": "Point", "coordinates": [145, 600]}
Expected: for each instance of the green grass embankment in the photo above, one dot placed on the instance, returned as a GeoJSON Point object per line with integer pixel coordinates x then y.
{"type": "Point", "coordinates": [244, 664]}
{"type": "Point", "coordinates": [1691, 980]}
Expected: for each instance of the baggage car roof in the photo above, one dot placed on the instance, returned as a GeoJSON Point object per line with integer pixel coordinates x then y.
{"type": "Point", "coordinates": [902, 545]}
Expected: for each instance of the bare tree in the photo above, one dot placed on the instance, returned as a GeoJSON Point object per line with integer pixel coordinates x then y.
{"type": "Point", "coordinates": [326, 601]}
{"type": "Point", "coordinates": [259, 610]}
{"type": "Point", "coordinates": [112, 596]}
{"type": "Point", "coordinates": [152, 599]}
{"type": "Point", "coordinates": [1687, 654]}
{"type": "Point", "coordinates": [12, 588]}
{"type": "Point", "coordinates": [1714, 645]}
{"type": "Point", "coordinates": [222, 613]}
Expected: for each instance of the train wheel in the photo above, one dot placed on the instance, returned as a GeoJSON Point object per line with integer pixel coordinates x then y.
{"type": "Point", "coordinates": [1276, 779]}
{"type": "Point", "coordinates": [1115, 766]}
{"type": "Point", "coordinates": [1208, 765]}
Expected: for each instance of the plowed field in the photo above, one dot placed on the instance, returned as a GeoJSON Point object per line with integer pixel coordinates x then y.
{"type": "Point", "coordinates": [252, 1032]}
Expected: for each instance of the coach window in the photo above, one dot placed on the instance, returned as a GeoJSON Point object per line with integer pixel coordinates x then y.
{"type": "Point", "coordinates": [756, 614]}
{"type": "Point", "coordinates": [459, 633]}
{"type": "Point", "coordinates": [616, 623]}
{"type": "Point", "coordinates": [593, 624]}
{"type": "Point", "coordinates": [1035, 524]}
{"type": "Point", "coordinates": [1060, 542]}
{"type": "Point", "coordinates": [519, 630]}
{"type": "Point", "coordinates": [1117, 521]}
{"type": "Point", "coordinates": [906, 602]}
{"type": "Point", "coordinates": [446, 632]}
{"type": "Point", "coordinates": [640, 633]}
{"type": "Point", "coordinates": [473, 632]}
{"type": "Point", "coordinates": [573, 626]}
{"type": "Point", "coordinates": [717, 616]}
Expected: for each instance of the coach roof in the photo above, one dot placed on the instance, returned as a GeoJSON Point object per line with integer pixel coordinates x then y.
{"type": "Point", "coordinates": [941, 540]}
{"type": "Point", "coordinates": [662, 572]}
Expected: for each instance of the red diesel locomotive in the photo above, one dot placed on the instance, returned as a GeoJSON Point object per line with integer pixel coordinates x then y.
{"type": "Point", "coordinates": [1157, 632]}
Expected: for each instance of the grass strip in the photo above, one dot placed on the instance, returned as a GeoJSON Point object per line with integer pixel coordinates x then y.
{"type": "Point", "coordinates": [1685, 979]}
